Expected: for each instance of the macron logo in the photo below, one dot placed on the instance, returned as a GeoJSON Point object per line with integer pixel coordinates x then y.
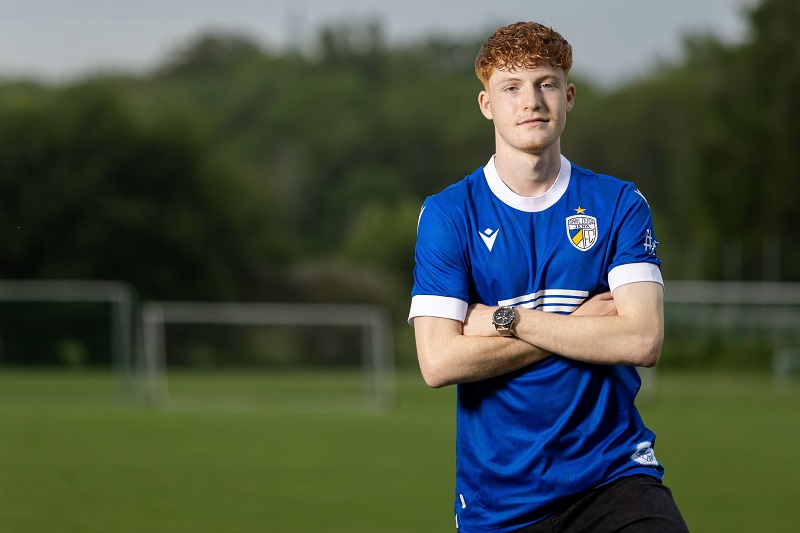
{"type": "Point", "coordinates": [489, 235]}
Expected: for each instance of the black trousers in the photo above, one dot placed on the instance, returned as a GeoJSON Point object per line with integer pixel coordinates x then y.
{"type": "Point", "coordinates": [635, 504]}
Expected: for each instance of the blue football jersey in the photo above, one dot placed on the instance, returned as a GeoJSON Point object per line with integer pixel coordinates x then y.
{"type": "Point", "coordinates": [528, 439]}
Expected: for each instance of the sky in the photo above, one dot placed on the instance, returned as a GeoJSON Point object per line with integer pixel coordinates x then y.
{"type": "Point", "coordinates": [613, 40]}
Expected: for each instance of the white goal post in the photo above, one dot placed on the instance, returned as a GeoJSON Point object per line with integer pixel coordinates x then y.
{"type": "Point", "coordinates": [732, 292]}
{"type": "Point", "coordinates": [732, 308]}
{"type": "Point", "coordinates": [771, 306]}
{"type": "Point", "coordinates": [119, 295]}
{"type": "Point", "coordinates": [377, 338]}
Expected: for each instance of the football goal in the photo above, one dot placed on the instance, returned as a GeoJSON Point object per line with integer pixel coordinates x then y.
{"type": "Point", "coordinates": [56, 323]}
{"type": "Point", "coordinates": [741, 324]}
{"type": "Point", "coordinates": [294, 344]}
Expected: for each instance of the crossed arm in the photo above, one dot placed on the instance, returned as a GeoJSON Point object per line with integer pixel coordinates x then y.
{"type": "Point", "coordinates": [626, 330]}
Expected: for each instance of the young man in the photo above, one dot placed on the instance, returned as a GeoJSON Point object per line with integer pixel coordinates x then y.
{"type": "Point", "coordinates": [514, 266]}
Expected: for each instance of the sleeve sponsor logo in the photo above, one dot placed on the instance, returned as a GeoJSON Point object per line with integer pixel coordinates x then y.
{"type": "Point", "coordinates": [650, 243]}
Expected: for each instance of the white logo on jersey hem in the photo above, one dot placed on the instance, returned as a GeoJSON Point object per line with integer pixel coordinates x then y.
{"type": "Point", "coordinates": [644, 454]}
{"type": "Point", "coordinates": [489, 236]}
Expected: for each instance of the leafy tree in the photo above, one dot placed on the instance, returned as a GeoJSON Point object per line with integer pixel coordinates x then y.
{"type": "Point", "coordinates": [89, 191]}
{"type": "Point", "coordinates": [748, 163]}
{"type": "Point", "coordinates": [237, 171]}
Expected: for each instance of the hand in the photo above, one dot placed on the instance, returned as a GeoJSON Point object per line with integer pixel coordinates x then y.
{"type": "Point", "coordinates": [598, 305]}
{"type": "Point", "coordinates": [478, 322]}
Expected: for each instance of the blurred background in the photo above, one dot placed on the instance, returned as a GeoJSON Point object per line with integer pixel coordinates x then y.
{"type": "Point", "coordinates": [278, 152]}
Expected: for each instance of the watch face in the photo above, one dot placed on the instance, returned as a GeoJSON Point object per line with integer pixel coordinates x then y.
{"type": "Point", "coordinates": [503, 316]}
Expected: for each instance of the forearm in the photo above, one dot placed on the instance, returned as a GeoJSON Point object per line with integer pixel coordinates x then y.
{"type": "Point", "coordinates": [448, 357]}
{"type": "Point", "coordinates": [612, 340]}
{"type": "Point", "coordinates": [630, 332]}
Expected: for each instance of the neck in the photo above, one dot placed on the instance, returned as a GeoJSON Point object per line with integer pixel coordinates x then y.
{"type": "Point", "coordinates": [528, 174]}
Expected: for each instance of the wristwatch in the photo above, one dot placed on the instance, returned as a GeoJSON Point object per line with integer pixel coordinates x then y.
{"type": "Point", "coordinates": [503, 319]}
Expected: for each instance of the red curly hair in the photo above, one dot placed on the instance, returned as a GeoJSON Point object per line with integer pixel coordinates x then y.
{"type": "Point", "coordinates": [520, 46]}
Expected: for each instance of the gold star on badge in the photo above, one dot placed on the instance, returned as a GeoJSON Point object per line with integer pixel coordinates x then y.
{"type": "Point", "coordinates": [580, 210]}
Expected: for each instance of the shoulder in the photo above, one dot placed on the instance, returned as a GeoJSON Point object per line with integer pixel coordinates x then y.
{"type": "Point", "coordinates": [458, 196]}
{"type": "Point", "coordinates": [462, 189]}
{"type": "Point", "coordinates": [601, 180]}
{"type": "Point", "coordinates": [607, 184]}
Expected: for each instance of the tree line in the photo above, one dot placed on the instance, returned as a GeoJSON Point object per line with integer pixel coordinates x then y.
{"type": "Point", "coordinates": [235, 172]}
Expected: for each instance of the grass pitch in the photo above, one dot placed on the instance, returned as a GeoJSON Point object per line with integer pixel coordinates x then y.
{"type": "Point", "coordinates": [76, 460]}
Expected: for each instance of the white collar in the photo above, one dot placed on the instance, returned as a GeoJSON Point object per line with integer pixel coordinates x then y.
{"type": "Point", "coordinates": [530, 204]}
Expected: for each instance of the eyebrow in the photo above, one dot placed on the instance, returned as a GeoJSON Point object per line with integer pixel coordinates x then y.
{"type": "Point", "coordinates": [538, 79]}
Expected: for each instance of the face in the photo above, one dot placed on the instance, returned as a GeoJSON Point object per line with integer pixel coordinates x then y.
{"type": "Point", "coordinates": [528, 107]}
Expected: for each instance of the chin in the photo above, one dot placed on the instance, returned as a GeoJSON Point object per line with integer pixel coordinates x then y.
{"type": "Point", "coordinates": [536, 148]}
{"type": "Point", "coordinates": [536, 145]}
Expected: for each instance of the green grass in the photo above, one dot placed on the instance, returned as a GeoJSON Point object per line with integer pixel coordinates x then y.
{"type": "Point", "coordinates": [728, 442]}
{"type": "Point", "coordinates": [75, 460]}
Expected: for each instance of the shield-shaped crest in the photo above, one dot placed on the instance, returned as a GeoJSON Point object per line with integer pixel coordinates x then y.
{"type": "Point", "coordinates": [582, 231]}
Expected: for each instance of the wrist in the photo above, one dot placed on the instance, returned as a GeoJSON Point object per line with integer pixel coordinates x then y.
{"type": "Point", "coordinates": [503, 319]}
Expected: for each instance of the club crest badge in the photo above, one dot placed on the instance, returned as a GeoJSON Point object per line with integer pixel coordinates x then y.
{"type": "Point", "coordinates": [582, 230]}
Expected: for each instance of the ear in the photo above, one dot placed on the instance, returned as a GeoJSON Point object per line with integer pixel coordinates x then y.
{"type": "Point", "coordinates": [570, 97]}
{"type": "Point", "coordinates": [485, 105]}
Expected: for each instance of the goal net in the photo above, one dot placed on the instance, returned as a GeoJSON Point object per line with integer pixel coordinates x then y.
{"type": "Point", "coordinates": [255, 355]}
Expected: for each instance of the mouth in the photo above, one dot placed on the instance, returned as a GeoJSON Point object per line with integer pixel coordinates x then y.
{"type": "Point", "coordinates": [533, 121]}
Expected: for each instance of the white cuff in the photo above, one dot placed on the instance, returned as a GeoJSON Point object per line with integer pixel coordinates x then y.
{"type": "Point", "coordinates": [438, 306]}
{"type": "Point", "coordinates": [632, 273]}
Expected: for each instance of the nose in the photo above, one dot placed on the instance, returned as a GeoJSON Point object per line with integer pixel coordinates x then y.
{"type": "Point", "coordinates": [532, 100]}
